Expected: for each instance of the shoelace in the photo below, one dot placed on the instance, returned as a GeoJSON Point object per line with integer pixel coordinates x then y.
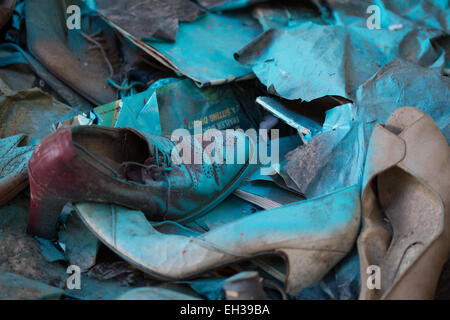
{"type": "Point", "coordinates": [127, 88]}
{"type": "Point", "coordinates": [95, 40]}
{"type": "Point", "coordinates": [160, 163]}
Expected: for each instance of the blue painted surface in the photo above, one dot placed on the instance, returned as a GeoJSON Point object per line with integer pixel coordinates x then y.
{"type": "Point", "coordinates": [143, 116]}
{"type": "Point", "coordinates": [204, 48]}
{"type": "Point", "coordinates": [403, 83]}
{"type": "Point", "coordinates": [310, 61]}
{"type": "Point", "coordinates": [172, 104]}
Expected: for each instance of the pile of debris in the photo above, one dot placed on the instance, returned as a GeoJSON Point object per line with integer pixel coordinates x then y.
{"type": "Point", "coordinates": [222, 149]}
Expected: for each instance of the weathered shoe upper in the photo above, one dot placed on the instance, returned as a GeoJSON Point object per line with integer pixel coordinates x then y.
{"type": "Point", "coordinates": [120, 165]}
{"type": "Point", "coordinates": [191, 173]}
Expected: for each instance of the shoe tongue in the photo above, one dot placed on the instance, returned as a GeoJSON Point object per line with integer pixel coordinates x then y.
{"type": "Point", "coordinates": [133, 173]}
{"type": "Point", "coordinates": [139, 173]}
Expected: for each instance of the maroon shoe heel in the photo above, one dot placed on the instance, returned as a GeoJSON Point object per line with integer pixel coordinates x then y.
{"type": "Point", "coordinates": [45, 209]}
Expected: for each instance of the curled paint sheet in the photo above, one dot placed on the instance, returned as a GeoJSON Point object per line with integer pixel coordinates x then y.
{"type": "Point", "coordinates": [325, 163]}
{"type": "Point", "coordinates": [399, 13]}
{"type": "Point", "coordinates": [204, 48]}
{"type": "Point", "coordinates": [133, 111]}
{"type": "Point", "coordinates": [145, 120]}
{"type": "Point", "coordinates": [402, 83]}
{"type": "Point", "coordinates": [285, 60]}
{"type": "Point", "coordinates": [143, 117]}
{"type": "Point", "coordinates": [108, 114]}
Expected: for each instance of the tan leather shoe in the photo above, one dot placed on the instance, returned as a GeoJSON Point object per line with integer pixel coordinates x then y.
{"type": "Point", "coordinates": [405, 204]}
